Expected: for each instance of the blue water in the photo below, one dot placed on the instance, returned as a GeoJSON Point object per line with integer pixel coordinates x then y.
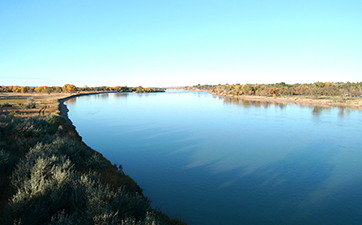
{"type": "Point", "coordinates": [212, 160]}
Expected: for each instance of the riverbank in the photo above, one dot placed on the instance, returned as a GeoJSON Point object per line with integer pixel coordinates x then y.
{"type": "Point", "coordinates": [302, 100]}
{"type": "Point", "coordinates": [45, 104]}
{"type": "Point", "coordinates": [86, 187]}
{"type": "Point", "coordinates": [322, 101]}
{"type": "Point", "coordinates": [63, 109]}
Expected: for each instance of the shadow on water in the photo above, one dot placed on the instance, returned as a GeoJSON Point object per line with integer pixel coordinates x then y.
{"type": "Point", "coordinates": [276, 191]}
{"type": "Point", "coordinates": [344, 207]}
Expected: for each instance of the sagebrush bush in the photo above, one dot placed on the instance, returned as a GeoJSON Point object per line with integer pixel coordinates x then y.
{"type": "Point", "coordinates": [5, 160]}
{"type": "Point", "coordinates": [6, 104]}
{"type": "Point", "coordinates": [49, 189]}
{"type": "Point", "coordinates": [45, 186]}
{"type": "Point", "coordinates": [62, 218]}
{"type": "Point", "coordinates": [54, 119]}
{"type": "Point", "coordinates": [95, 162]}
{"type": "Point", "coordinates": [74, 150]}
{"type": "Point", "coordinates": [30, 104]}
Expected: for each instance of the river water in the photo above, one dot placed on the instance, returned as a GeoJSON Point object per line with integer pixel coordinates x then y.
{"type": "Point", "coordinates": [211, 160]}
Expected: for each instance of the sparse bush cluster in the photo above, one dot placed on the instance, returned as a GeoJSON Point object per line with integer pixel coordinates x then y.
{"type": "Point", "coordinates": [30, 104]}
{"type": "Point", "coordinates": [54, 178]}
{"type": "Point", "coordinates": [5, 104]}
{"type": "Point", "coordinates": [95, 162]}
{"type": "Point", "coordinates": [5, 160]}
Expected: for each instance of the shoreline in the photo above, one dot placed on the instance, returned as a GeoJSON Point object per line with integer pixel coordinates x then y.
{"type": "Point", "coordinates": [355, 104]}
{"type": "Point", "coordinates": [63, 109]}
{"type": "Point", "coordinates": [88, 162]}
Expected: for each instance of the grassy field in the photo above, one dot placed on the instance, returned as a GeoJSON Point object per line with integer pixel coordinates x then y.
{"type": "Point", "coordinates": [44, 103]}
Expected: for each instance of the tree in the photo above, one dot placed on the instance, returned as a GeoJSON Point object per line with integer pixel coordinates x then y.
{"type": "Point", "coordinates": [24, 89]}
{"type": "Point", "coordinates": [69, 88]}
{"type": "Point", "coordinates": [247, 88]}
{"type": "Point", "coordinates": [139, 89]}
{"type": "Point", "coordinates": [319, 84]}
{"type": "Point", "coordinates": [315, 92]}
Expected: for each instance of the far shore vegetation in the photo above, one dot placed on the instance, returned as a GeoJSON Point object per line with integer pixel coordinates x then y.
{"type": "Point", "coordinates": [316, 90]}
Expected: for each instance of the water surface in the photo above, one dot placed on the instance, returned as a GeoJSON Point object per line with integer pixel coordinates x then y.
{"type": "Point", "coordinates": [212, 160]}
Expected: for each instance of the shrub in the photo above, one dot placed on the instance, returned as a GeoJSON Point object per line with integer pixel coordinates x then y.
{"type": "Point", "coordinates": [30, 104]}
{"type": "Point", "coordinates": [96, 162]}
{"type": "Point", "coordinates": [15, 112]}
{"type": "Point", "coordinates": [5, 104]}
{"type": "Point", "coordinates": [5, 160]}
{"type": "Point", "coordinates": [49, 189]}
{"type": "Point", "coordinates": [45, 188]}
{"type": "Point", "coordinates": [74, 150]}
{"type": "Point", "coordinates": [54, 119]}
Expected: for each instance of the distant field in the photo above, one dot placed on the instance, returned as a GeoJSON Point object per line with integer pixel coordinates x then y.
{"type": "Point", "coordinates": [45, 103]}
{"type": "Point", "coordinates": [14, 98]}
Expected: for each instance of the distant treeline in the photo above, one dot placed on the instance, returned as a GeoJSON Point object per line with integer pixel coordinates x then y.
{"type": "Point", "coordinates": [49, 176]}
{"type": "Point", "coordinates": [282, 89]}
{"type": "Point", "coordinates": [70, 88]}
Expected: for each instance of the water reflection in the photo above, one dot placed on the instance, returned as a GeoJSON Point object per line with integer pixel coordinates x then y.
{"type": "Point", "coordinates": [344, 111]}
{"type": "Point", "coordinates": [71, 101]}
{"type": "Point", "coordinates": [119, 95]}
{"type": "Point", "coordinates": [250, 103]}
{"type": "Point", "coordinates": [316, 110]}
{"type": "Point", "coordinates": [103, 96]}
{"type": "Point", "coordinates": [140, 95]}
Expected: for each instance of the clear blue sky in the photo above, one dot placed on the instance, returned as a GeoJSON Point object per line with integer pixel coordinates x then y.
{"type": "Point", "coordinates": [179, 42]}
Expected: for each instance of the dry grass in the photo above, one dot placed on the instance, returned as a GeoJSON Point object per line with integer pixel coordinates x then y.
{"type": "Point", "coordinates": [45, 103]}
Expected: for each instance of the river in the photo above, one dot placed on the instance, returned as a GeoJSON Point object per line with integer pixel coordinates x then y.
{"type": "Point", "coordinates": [213, 160]}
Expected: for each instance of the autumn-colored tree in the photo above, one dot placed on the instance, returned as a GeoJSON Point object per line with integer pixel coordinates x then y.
{"type": "Point", "coordinates": [297, 90]}
{"type": "Point", "coordinates": [247, 88]}
{"type": "Point", "coordinates": [57, 89]}
{"type": "Point", "coordinates": [319, 84]}
{"type": "Point", "coordinates": [31, 90]}
{"type": "Point", "coordinates": [41, 89]}
{"type": "Point", "coordinates": [327, 84]}
{"type": "Point", "coordinates": [16, 89]}
{"type": "Point", "coordinates": [272, 91]}
{"type": "Point", "coordinates": [139, 89]}
{"type": "Point", "coordinates": [24, 89]}
{"type": "Point", "coordinates": [38, 89]}
{"type": "Point", "coordinates": [69, 88]}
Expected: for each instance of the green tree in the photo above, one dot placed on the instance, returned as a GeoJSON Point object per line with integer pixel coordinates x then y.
{"type": "Point", "coordinates": [319, 84]}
